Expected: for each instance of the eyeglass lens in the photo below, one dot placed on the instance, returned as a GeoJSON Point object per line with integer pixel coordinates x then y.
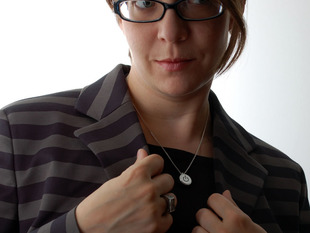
{"type": "Point", "coordinates": [142, 10]}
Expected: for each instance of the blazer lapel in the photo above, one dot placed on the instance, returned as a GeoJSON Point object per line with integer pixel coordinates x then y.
{"type": "Point", "coordinates": [115, 135]}
{"type": "Point", "coordinates": [235, 169]}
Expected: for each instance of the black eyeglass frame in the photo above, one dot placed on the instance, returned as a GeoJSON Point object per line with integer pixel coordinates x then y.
{"type": "Point", "coordinates": [166, 7]}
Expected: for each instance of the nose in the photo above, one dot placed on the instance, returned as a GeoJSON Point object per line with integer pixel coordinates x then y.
{"type": "Point", "coordinates": [172, 28]}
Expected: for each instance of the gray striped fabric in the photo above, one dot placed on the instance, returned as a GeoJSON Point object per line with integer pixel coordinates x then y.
{"type": "Point", "coordinates": [55, 150]}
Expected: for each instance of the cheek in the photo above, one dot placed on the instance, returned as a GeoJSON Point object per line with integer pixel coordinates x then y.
{"type": "Point", "coordinates": [214, 37]}
{"type": "Point", "coordinates": [139, 40]}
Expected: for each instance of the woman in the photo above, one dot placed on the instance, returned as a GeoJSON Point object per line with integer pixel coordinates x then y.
{"type": "Point", "coordinates": [148, 148]}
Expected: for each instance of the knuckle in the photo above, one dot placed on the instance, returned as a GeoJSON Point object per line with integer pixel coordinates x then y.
{"type": "Point", "coordinates": [150, 212]}
{"type": "Point", "coordinates": [233, 216]}
{"type": "Point", "coordinates": [170, 179]}
{"type": "Point", "coordinates": [152, 227]}
{"type": "Point", "coordinates": [213, 197]}
{"type": "Point", "coordinates": [137, 172]}
{"type": "Point", "coordinates": [157, 157]}
{"type": "Point", "coordinates": [197, 229]}
{"type": "Point", "coordinates": [140, 170]}
{"type": "Point", "coordinates": [146, 193]}
{"type": "Point", "coordinates": [240, 220]}
{"type": "Point", "coordinates": [200, 213]}
{"type": "Point", "coordinates": [152, 216]}
{"type": "Point", "coordinates": [149, 189]}
{"type": "Point", "coordinates": [158, 160]}
{"type": "Point", "coordinates": [223, 230]}
{"type": "Point", "coordinates": [133, 175]}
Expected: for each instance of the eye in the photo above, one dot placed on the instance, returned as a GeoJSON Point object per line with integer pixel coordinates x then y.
{"type": "Point", "coordinates": [144, 4]}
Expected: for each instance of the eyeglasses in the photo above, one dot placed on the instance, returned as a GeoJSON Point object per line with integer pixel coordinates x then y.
{"type": "Point", "coordinates": [146, 11]}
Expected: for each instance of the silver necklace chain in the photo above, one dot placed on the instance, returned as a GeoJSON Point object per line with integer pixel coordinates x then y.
{"type": "Point", "coordinates": [184, 178]}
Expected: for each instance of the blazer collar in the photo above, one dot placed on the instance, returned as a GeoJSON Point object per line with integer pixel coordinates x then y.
{"type": "Point", "coordinates": [104, 96]}
{"type": "Point", "coordinates": [114, 135]}
{"type": "Point", "coordinates": [235, 168]}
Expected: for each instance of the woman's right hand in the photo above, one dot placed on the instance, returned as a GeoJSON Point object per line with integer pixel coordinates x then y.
{"type": "Point", "coordinates": [131, 202]}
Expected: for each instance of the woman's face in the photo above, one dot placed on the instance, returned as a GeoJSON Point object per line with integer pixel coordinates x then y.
{"type": "Point", "coordinates": [174, 57]}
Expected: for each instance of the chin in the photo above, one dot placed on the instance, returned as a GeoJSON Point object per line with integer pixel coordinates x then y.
{"type": "Point", "coordinates": [184, 92]}
{"type": "Point", "coordinates": [181, 88]}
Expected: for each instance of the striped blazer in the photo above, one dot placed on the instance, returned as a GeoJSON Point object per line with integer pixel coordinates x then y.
{"type": "Point", "coordinates": [57, 149]}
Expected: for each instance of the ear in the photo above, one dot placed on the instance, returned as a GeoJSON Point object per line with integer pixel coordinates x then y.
{"type": "Point", "coordinates": [117, 18]}
{"type": "Point", "coordinates": [120, 23]}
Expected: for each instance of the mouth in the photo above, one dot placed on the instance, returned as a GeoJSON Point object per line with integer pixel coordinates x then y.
{"type": "Point", "coordinates": [172, 65]}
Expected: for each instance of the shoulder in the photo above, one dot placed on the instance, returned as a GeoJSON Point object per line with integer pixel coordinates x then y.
{"type": "Point", "coordinates": [45, 102]}
{"type": "Point", "coordinates": [277, 163]}
{"type": "Point", "coordinates": [271, 157]}
{"type": "Point", "coordinates": [43, 110]}
{"type": "Point", "coordinates": [285, 177]}
{"type": "Point", "coordinates": [234, 134]}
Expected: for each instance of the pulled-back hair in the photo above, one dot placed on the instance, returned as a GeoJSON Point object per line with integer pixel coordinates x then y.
{"type": "Point", "coordinates": [238, 33]}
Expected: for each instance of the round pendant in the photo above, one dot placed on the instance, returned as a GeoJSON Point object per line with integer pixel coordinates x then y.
{"type": "Point", "coordinates": [185, 179]}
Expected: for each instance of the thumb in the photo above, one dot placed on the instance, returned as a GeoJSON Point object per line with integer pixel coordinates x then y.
{"type": "Point", "coordinates": [141, 154]}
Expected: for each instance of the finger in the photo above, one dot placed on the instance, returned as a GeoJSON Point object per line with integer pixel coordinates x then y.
{"type": "Point", "coordinates": [199, 229]}
{"type": "Point", "coordinates": [153, 165]}
{"type": "Point", "coordinates": [166, 222]}
{"type": "Point", "coordinates": [220, 204]}
{"type": "Point", "coordinates": [141, 154]}
{"type": "Point", "coordinates": [156, 160]}
{"type": "Point", "coordinates": [227, 194]}
{"type": "Point", "coordinates": [164, 183]}
{"type": "Point", "coordinates": [144, 168]}
{"type": "Point", "coordinates": [208, 220]}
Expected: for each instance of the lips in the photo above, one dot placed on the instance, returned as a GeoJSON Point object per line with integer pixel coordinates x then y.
{"type": "Point", "coordinates": [173, 65]}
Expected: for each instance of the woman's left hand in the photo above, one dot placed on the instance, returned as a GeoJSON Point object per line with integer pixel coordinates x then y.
{"type": "Point", "coordinates": [224, 215]}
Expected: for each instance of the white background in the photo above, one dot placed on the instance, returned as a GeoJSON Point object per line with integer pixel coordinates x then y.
{"type": "Point", "coordinates": [54, 45]}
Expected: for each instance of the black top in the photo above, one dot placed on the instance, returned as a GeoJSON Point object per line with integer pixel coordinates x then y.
{"type": "Point", "coordinates": [193, 197]}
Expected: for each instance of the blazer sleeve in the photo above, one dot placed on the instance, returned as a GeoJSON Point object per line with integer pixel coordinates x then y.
{"type": "Point", "coordinates": [304, 207]}
{"type": "Point", "coordinates": [8, 187]}
{"type": "Point", "coordinates": [9, 215]}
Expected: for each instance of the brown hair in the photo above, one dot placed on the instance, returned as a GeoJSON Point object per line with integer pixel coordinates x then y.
{"type": "Point", "coordinates": [110, 3]}
{"type": "Point", "coordinates": [238, 33]}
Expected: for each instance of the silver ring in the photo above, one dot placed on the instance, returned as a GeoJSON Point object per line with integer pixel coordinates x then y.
{"type": "Point", "coordinates": [170, 200]}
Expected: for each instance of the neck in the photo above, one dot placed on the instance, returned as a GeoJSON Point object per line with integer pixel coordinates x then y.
{"type": "Point", "coordinates": [177, 122]}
